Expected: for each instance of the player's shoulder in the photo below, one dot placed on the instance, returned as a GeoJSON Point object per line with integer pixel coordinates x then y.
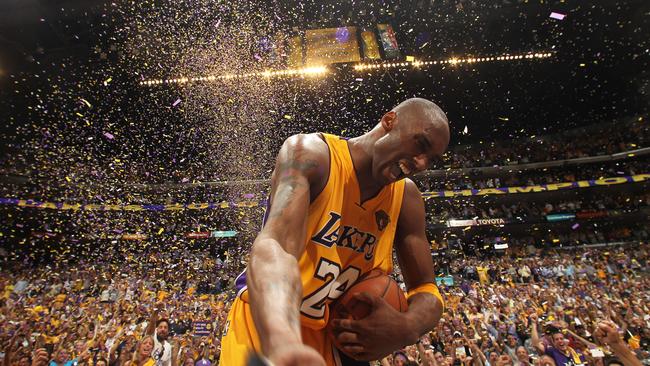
{"type": "Point", "coordinates": [309, 145]}
{"type": "Point", "coordinates": [412, 204]}
{"type": "Point", "coordinates": [411, 190]}
{"type": "Point", "coordinates": [306, 153]}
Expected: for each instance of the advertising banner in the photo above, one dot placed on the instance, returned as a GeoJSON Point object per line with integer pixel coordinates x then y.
{"type": "Point", "coordinates": [224, 234]}
{"type": "Point", "coordinates": [475, 222]}
{"type": "Point", "coordinates": [201, 329]}
{"type": "Point", "coordinates": [31, 203]}
{"type": "Point", "coordinates": [294, 44]}
{"type": "Point", "coordinates": [388, 40]}
{"type": "Point", "coordinates": [331, 45]}
{"type": "Point", "coordinates": [134, 237]}
{"type": "Point", "coordinates": [370, 46]}
{"type": "Point", "coordinates": [560, 217]}
{"type": "Point", "coordinates": [591, 214]}
{"type": "Point", "coordinates": [198, 235]}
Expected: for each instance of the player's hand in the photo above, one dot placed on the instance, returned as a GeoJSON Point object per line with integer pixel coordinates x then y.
{"type": "Point", "coordinates": [296, 355]}
{"type": "Point", "coordinates": [375, 336]}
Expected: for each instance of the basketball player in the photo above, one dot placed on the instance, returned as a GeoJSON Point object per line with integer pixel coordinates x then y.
{"type": "Point", "coordinates": [336, 207]}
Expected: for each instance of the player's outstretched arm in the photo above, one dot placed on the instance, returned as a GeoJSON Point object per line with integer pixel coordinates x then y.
{"type": "Point", "coordinates": [414, 256]}
{"type": "Point", "coordinates": [273, 278]}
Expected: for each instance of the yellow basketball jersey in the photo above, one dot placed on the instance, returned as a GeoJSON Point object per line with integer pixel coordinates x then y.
{"type": "Point", "coordinates": [345, 238]}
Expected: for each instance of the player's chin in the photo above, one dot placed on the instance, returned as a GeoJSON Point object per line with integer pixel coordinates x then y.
{"type": "Point", "coordinates": [363, 357]}
{"type": "Point", "coordinates": [357, 353]}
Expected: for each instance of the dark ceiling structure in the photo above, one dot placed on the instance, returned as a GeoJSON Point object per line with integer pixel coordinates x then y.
{"type": "Point", "coordinates": [598, 72]}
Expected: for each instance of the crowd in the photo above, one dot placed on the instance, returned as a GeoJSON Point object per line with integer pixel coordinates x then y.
{"type": "Point", "coordinates": [103, 309]}
{"type": "Point", "coordinates": [604, 139]}
{"type": "Point", "coordinates": [530, 210]}
{"type": "Point", "coordinates": [476, 179]}
{"type": "Point", "coordinates": [493, 241]}
{"type": "Point", "coordinates": [543, 310]}
{"type": "Point", "coordinates": [167, 306]}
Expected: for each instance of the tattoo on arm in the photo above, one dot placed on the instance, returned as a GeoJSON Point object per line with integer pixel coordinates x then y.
{"type": "Point", "coordinates": [288, 310]}
{"type": "Point", "coordinates": [288, 183]}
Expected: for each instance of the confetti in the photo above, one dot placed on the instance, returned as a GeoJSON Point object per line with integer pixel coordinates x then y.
{"type": "Point", "coordinates": [177, 102]}
{"type": "Point", "coordinates": [557, 16]}
{"type": "Point", "coordinates": [109, 135]}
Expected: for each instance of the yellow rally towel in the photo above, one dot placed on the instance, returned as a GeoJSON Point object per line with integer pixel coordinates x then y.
{"type": "Point", "coordinates": [575, 356]}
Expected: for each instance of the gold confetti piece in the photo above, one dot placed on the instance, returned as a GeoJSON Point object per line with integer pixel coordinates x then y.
{"type": "Point", "coordinates": [410, 58]}
{"type": "Point", "coordinates": [86, 102]}
{"type": "Point", "coordinates": [286, 116]}
{"type": "Point", "coordinates": [161, 231]}
{"type": "Point", "coordinates": [79, 114]}
{"type": "Point", "coordinates": [68, 179]}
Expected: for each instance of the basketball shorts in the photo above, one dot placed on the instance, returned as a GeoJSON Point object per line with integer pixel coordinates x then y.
{"type": "Point", "coordinates": [240, 339]}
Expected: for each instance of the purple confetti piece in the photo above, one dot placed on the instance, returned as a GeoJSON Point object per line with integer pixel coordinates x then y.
{"type": "Point", "coordinates": [109, 135]}
{"type": "Point", "coordinates": [557, 16]}
{"type": "Point", "coordinates": [575, 226]}
{"type": "Point", "coordinates": [185, 180]}
{"type": "Point", "coordinates": [249, 195]}
{"type": "Point", "coordinates": [258, 57]}
{"type": "Point", "coordinates": [177, 102]}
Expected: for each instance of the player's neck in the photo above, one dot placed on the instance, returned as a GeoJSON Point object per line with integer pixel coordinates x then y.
{"type": "Point", "coordinates": [361, 152]}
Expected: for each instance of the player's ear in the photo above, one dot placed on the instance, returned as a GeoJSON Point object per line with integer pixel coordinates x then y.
{"type": "Point", "coordinates": [388, 121]}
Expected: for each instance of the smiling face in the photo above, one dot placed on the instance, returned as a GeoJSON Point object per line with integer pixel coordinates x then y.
{"type": "Point", "coordinates": [62, 356]}
{"type": "Point", "coordinates": [522, 354]}
{"type": "Point", "coordinates": [416, 134]}
{"type": "Point", "coordinates": [162, 330]}
{"type": "Point", "coordinates": [146, 347]}
{"type": "Point", "coordinates": [512, 341]}
{"type": "Point", "coordinates": [559, 342]}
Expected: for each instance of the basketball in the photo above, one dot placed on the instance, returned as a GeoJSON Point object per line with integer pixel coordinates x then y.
{"type": "Point", "coordinates": [376, 283]}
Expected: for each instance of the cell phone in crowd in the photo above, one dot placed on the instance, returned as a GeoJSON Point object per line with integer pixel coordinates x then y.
{"type": "Point", "coordinates": [49, 347]}
{"type": "Point", "coordinates": [597, 352]}
{"type": "Point", "coordinates": [460, 351]}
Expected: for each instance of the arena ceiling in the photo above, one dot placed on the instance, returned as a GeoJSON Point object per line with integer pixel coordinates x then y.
{"type": "Point", "coordinates": [598, 72]}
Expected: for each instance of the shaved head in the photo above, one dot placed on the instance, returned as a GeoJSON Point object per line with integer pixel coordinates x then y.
{"type": "Point", "coordinates": [429, 116]}
{"type": "Point", "coordinates": [423, 108]}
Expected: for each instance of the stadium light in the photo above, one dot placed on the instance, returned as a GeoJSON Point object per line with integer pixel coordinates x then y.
{"type": "Point", "coordinates": [453, 61]}
{"type": "Point", "coordinates": [311, 71]}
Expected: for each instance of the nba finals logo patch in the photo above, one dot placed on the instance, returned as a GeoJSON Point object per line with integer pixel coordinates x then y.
{"type": "Point", "coordinates": [382, 219]}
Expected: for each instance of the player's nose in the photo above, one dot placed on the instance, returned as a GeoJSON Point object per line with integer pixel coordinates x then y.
{"type": "Point", "coordinates": [421, 162]}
